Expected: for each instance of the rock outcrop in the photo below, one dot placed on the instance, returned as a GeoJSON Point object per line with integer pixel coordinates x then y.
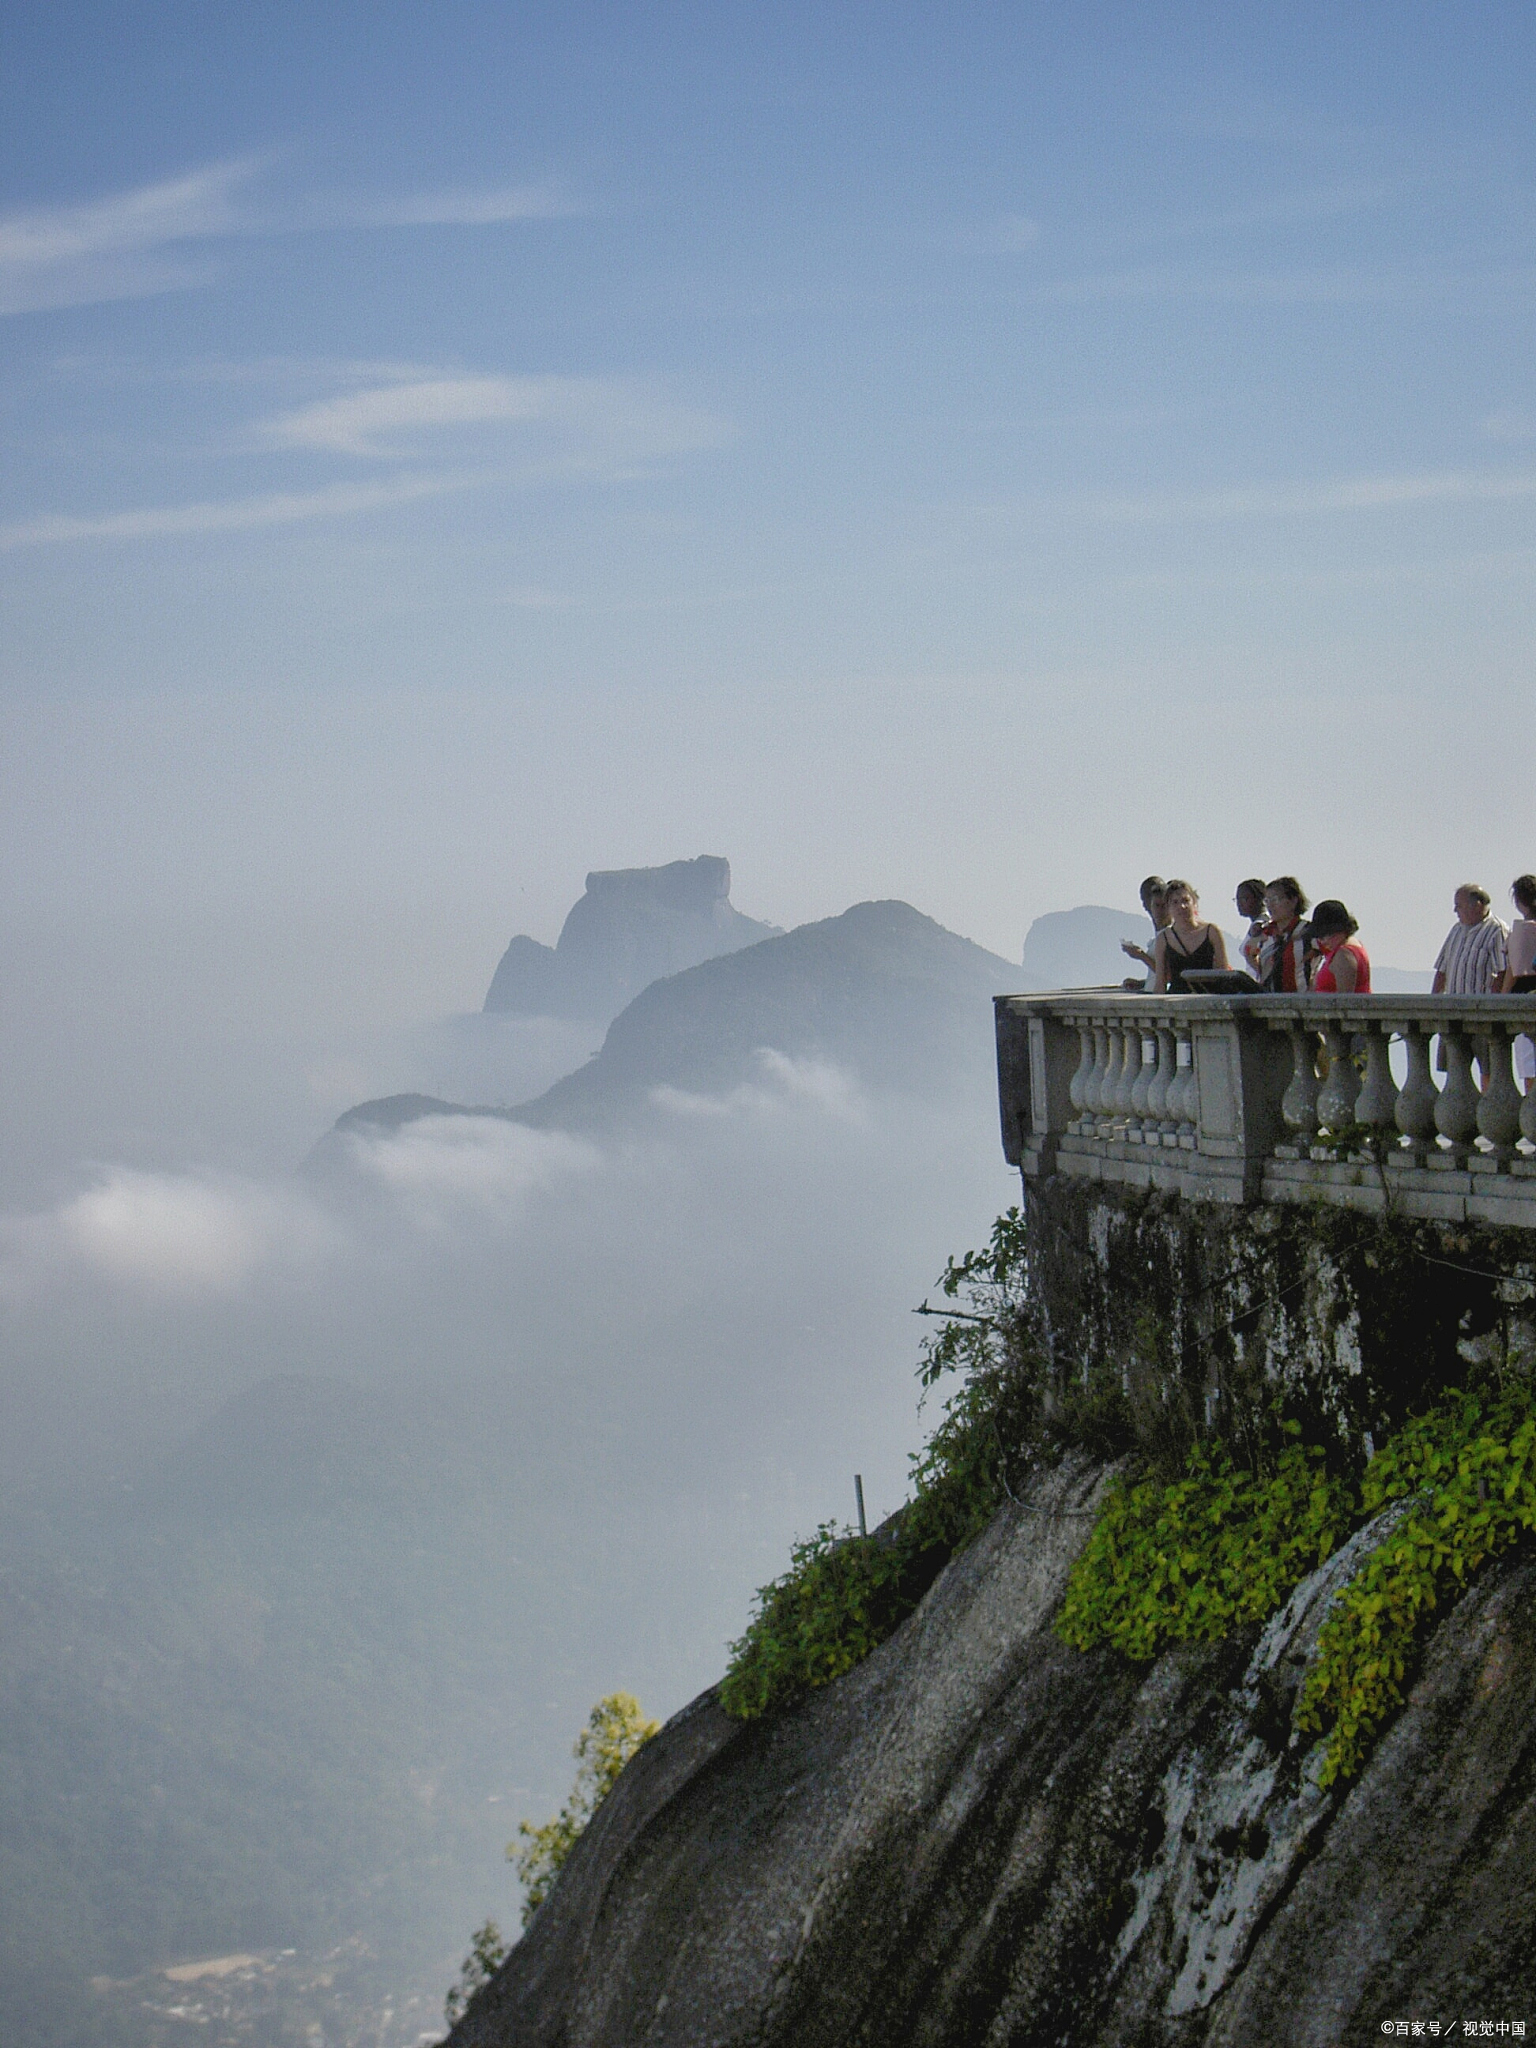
{"type": "Point", "coordinates": [632, 926]}
{"type": "Point", "coordinates": [983, 1836]}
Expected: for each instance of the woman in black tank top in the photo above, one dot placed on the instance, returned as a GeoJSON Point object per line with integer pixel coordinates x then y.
{"type": "Point", "coordinates": [1186, 942]}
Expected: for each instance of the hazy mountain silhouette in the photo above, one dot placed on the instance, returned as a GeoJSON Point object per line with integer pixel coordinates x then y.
{"type": "Point", "coordinates": [632, 926]}
{"type": "Point", "coordinates": [1081, 948]}
{"type": "Point", "coordinates": [881, 990]}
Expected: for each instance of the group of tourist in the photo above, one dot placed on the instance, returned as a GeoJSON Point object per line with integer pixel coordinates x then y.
{"type": "Point", "coordinates": [1288, 951]}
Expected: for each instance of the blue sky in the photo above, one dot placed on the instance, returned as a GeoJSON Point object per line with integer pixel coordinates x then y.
{"type": "Point", "coordinates": [973, 454]}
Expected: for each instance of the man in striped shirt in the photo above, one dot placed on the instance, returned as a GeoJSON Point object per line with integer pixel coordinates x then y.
{"type": "Point", "coordinates": [1474, 956]}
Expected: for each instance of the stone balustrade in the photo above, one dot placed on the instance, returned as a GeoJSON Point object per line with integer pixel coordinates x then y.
{"type": "Point", "coordinates": [1276, 1098]}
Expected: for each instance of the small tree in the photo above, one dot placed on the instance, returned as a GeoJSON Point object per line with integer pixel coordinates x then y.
{"type": "Point", "coordinates": [487, 1953]}
{"type": "Point", "coordinates": [615, 1729]}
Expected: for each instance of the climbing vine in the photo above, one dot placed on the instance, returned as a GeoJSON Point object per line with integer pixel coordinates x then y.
{"type": "Point", "coordinates": [1194, 1559]}
{"type": "Point", "coordinates": [1467, 1470]}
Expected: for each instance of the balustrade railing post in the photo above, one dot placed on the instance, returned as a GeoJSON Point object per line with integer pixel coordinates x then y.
{"type": "Point", "coordinates": [1130, 1071]}
{"type": "Point", "coordinates": [1182, 1098]}
{"type": "Point", "coordinates": [1298, 1105]}
{"type": "Point", "coordinates": [1109, 1087]}
{"type": "Point", "coordinates": [1498, 1108]}
{"type": "Point", "coordinates": [1077, 1088]}
{"type": "Point", "coordinates": [1336, 1097]}
{"type": "Point", "coordinates": [1456, 1108]}
{"type": "Point", "coordinates": [1162, 1081]}
{"type": "Point", "coordinates": [1146, 1073]}
{"type": "Point", "coordinates": [1417, 1100]}
{"type": "Point", "coordinates": [1094, 1092]}
{"type": "Point", "coordinates": [1528, 1113]}
{"type": "Point", "coordinates": [1376, 1104]}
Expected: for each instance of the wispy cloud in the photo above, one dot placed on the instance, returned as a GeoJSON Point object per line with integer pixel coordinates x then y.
{"type": "Point", "coordinates": [463, 207]}
{"type": "Point", "coordinates": [590, 429]}
{"type": "Point", "coordinates": [357, 422]}
{"type": "Point", "coordinates": [115, 247]}
{"type": "Point", "coordinates": [70, 255]}
{"type": "Point", "coordinates": [272, 508]}
{"type": "Point", "coordinates": [1342, 494]}
{"type": "Point", "coordinates": [1298, 207]}
{"type": "Point", "coordinates": [165, 1234]}
{"type": "Point", "coordinates": [596, 419]}
{"type": "Point", "coordinates": [1343, 286]}
{"type": "Point", "coordinates": [1006, 234]}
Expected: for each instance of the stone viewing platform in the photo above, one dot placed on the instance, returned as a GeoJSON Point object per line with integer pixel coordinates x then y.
{"type": "Point", "coordinates": [1224, 1099]}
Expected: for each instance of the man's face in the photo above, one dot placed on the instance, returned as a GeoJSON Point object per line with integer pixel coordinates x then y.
{"type": "Point", "coordinates": [1468, 909]}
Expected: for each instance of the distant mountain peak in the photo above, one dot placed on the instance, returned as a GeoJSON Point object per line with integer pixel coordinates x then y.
{"type": "Point", "coordinates": [632, 926]}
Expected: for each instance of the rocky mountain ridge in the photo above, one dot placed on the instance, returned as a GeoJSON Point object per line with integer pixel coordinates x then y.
{"type": "Point", "coordinates": [881, 990]}
{"type": "Point", "coordinates": [982, 1836]}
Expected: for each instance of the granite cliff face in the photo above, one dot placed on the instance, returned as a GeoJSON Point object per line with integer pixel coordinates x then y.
{"type": "Point", "coordinates": [983, 1836]}
{"type": "Point", "coordinates": [632, 926]}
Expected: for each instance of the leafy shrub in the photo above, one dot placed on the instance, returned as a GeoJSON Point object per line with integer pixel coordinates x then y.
{"type": "Point", "coordinates": [1468, 1468]}
{"type": "Point", "coordinates": [1191, 1560]}
{"type": "Point", "coordinates": [487, 1953]}
{"type": "Point", "coordinates": [615, 1729]}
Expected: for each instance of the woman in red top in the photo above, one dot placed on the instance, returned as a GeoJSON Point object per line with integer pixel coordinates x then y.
{"type": "Point", "coordinates": [1341, 968]}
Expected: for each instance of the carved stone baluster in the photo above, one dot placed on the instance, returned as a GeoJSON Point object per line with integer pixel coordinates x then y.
{"type": "Point", "coordinates": [1077, 1088]}
{"type": "Point", "coordinates": [1298, 1105]}
{"type": "Point", "coordinates": [1146, 1073]}
{"type": "Point", "coordinates": [1377, 1101]}
{"type": "Point", "coordinates": [1109, 1086]}
{"type": "Point", "coordinates": [1162, 1081]}
{"type": "Point", "coordinates": [1498, 1108]}
{"type": "Point", "coordinates": [1416, 1105]}
{"type": "Point", "coordinates": [1092, 1094]}
{"type": "Point", "coordinates": [1130, 1071]}
{"type": "Point", "coordinates": [1528, 1114]}
{"type": "Point", "coordinates": [1456, 1110]}
{"type": "Point", "coordinates": [1336, 1099]}
{"type": "Point", "coordinates": [1182, 1098]}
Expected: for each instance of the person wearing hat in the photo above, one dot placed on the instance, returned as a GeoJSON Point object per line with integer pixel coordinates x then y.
{"type": "Point", "coordinates": [1340, 967]}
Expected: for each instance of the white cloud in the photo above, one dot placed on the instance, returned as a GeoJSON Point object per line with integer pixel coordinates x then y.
{"type": "Point", "coordinates": [599, 420]}
{"type": "Point", "coordinates": [356, 422]}
{"type": "Point", "coordinates": [782, 1082]}
{"type": "Point", "coordinates": [1346, 285]}
{"type": "Point", "coordinates": [1342, 494]}
{"type": "Point", "coordinates": [1517, 424]}
{"type": "Point", "coordinates": [465, 208]}
{"type": "Point", "coordinates": [439, 1166]}
{"type": "Point", "coordinates": [175, 210]}
{"type": "Point", "coordinates": [164, 1234]}
{"type": "Point", "coordinates": [1012, 232]}
{"type": "Point", "coordinates": [110, 248]}
{"type": "Point", "coordinates": [272, 508]}
{"type": "Point", "coordinates": [102, 248]}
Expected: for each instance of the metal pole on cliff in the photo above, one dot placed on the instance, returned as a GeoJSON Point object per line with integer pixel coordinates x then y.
{"type": "Point", "coordinates": [858, 1494]}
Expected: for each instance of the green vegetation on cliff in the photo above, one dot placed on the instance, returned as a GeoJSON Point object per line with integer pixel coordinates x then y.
{"type": "Point", "coordinates": [616, 1728]}
{"type": "Point", "coordinates": [844, 1594]}
{"type": "Point", "coordinates": [1192, 1542]}
{"type": "Point", "coordinates": [1214, 1549]}
{"type": "Point", "coordinates": [1191, 1559]}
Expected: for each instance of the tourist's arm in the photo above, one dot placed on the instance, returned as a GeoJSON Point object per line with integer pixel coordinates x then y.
{"type": "Point", "coordinates": [1160, 964]}
{"type": "Point", "coordinates": [1346, 971]}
